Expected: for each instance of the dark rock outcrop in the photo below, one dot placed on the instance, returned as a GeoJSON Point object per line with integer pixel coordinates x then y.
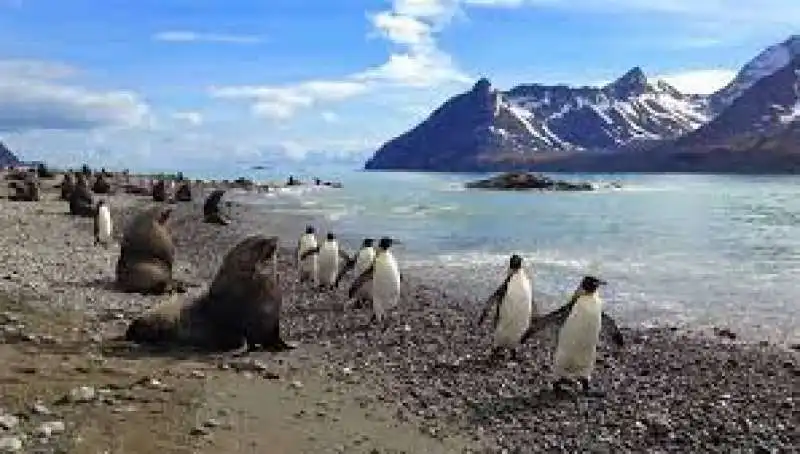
{"type": "Point", "coordinates": [7, 157]}
{"type": "Point", "coordinates": [525, 180]}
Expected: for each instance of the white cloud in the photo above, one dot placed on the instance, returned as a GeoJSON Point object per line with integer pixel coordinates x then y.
{"type": "Point", "coordinates": [192, 118]}
{"type": "Point", "coordinates": [329, 117]}
{"type": "Point", "coordinates": [34, 96]}
{"type": "Point", "coordinates": [419, 63]}
{"type": "Point", "coordinates": [699, 81]}
{"type": "Point", "coordinates": [185, 36]}
{"type": "Point", "coordinates": [282, 102]}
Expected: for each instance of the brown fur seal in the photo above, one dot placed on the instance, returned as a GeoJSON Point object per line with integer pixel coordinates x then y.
{"type": "Point", "coordinates": [242, 305]}
{"type": "Point", "coordinates": [101, 185]}
{"type": "Point", "coordinates": [160, 191]}
{"type": "Point", "coordinates": [211, 210]}
{"type": "Point", "coordinates": [80, 201]}
{"type": "Point", "coordinates": [147, 254]}
{"type": "Point", "coordinates": [184, 192]}
{"type": "Point", "coordinates": [67, 186]}
{"type": "Point", "coordinates": [27, 190]}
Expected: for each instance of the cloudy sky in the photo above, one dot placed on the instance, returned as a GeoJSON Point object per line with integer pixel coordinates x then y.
{"type": "Point", "coordinates": [164, 83]}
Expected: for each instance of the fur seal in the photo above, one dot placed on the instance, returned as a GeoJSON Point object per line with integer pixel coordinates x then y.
{"type": "Point", "coordinates": [184, 192]}
{"type": "Point", "coordinates": [514, 306]}
{"type": "Point", "coordinates": [581, 322]}
{"type": "Point", "coordinates": [67, 186]}
{"type": "Point", "coordinates": [242, 306]}
{"type": "Point", "coordinates": [27, 190]}
{"type": "Point", "coordinates": [212, 214]}
{"type": "Point", "coordinates": [80, 201]}
{"type": "Point", "coordinates": [147, 254]}
{"type": "Point", "coordinates": [159, 191]}
{"type": "Point", "coordinates": [101, 185]}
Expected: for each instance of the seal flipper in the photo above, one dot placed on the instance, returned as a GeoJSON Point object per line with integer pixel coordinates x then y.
{"type": "Point", "coordinates": [360, 280]}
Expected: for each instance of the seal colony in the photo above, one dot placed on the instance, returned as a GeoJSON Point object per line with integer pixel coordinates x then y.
{"type": "Point", "coordinates": [667, 393]}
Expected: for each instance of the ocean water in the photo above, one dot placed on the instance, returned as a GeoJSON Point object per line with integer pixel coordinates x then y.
{"type": "Point", "coordinates": [694, 251]}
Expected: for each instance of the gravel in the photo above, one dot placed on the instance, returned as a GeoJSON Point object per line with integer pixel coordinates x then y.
{"type": "Point", "coordinates": [667, 391]}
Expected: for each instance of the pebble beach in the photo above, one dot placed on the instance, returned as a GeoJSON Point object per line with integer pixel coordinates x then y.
{"type": "Point", "coordinates": [422, 386]}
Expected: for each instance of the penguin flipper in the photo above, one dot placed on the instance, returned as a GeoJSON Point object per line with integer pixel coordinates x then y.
{"type": "Point", "coordinates": [494, 299]}
{"type": "Point", "coordinates": [557, 317]}
{"type": "Point", "coordinates": [609, 328]}
{"type": "Point", "coordinates": [347, 259]}
{"type": "Point", "coordinates": [360, 280]}
{"type": "Point", "coordinates": [309, 252]}
{"type": "Point", "coordinates": [349, 265]}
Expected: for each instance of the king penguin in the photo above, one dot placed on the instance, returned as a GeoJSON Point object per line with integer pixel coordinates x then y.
{"type": "Point", "coordinates": [308, 265]}
{"type": "Point", "coordinates": [329, 256]}
{"type": "Point", "coordinates": [385, 276]}
{"type": "Point", "coordinates": [582, 320]}
{"type": "Point", "coordinates": [364, 259]}
{"type": "Point", "coordinates": [514, 306]}
{"type": "Point", "coordinates": [102, 224]}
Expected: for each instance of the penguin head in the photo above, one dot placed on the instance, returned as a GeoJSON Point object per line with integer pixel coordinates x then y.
{"type": "Point", "coordinates": [368, 242]}
{"type": "Point", "coordinates": [590, 284]}
{"type": "Point", "coordinates": [385, 243]}
{"type": "Point", "coordinates": [330, 236]}
{"type": "Point", "coordinates": [515, 263]}
{"type": "Point", "coordinates": [310, 229]}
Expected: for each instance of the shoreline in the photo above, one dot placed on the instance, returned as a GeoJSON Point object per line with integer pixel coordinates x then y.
{"type": "Point", "coordinates": [666, 391]}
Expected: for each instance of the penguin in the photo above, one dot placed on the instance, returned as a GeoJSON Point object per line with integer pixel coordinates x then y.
{"type": "Point", "coordinates": [514, 306]}
{"type": "Point", "coordinates": [582, 320]}
{"type": "Point", "coordinates": [102, 224]}
{"type": "Point", "coordinates": [308, 266]}
{"type": "Point", "coordinates": [364, 259]}
{"type": "Point", "coordinates": [385, 276]}
{"type": "Point", "coordinates": [328, 260]}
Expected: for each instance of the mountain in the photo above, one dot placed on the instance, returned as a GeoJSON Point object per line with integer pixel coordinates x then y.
{"type": "Point", "coordinates": [767, 62]}
{"type": "Point", "coordinates": [759, 132]}
{"type": "Point", "coordinates": [7, 158]}
{"type": "Point", "coordinates": [490, 129]}
{"type": "Point", "coordinates": [629, 125]}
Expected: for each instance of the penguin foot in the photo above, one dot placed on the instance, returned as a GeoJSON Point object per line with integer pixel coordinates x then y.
{"type": "Point", "coordinates": [588, 391]}
{"type": "Point", "coordinates": [562, 387]}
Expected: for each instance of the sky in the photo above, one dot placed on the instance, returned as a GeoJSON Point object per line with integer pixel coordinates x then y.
{"type": "Point", "coordinates": [166, 84]}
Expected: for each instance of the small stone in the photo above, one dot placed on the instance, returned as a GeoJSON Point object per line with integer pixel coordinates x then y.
{"type": "Point", "coordinates": [10, 444]}
{"type": "Point", "coordinates": [296, 384]}
{"type": "Point", "coordinates": [39, 409]}
{"type": "Point", "coordinates": [199, 430]}
{"type": "Point", "coordinates": [211, 423]}
{"type": "Point", "coordinates": [198, 374]}
{"type": "Point", "coordinates": [50, 428]}
{"type": "Point", "coordinates": [82, 394]}
{"type": "Point", "coordinates": [8, 422]}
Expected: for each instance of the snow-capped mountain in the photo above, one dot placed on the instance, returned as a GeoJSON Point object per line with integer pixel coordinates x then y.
{"type": "Point", "coordinates": [767, 62]}
{"type": "Point", "coordinates": [484, 127]}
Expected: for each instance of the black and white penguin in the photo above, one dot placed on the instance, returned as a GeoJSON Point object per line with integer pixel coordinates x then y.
{"type": "Point", "coordinates": [514, 306]}
{"type": "Point", "coordinates": [384, 275]}
{"type": "Point", "coordinates": [328, 260]}
{"type": "Point", "coordinates": [364, 259]}
{"type": "Point", "coordinates": [308, 265]}
{"type": "Point", "coordinates": [581, 320]}
{"type": "Point", "coordinates": [102, 224]}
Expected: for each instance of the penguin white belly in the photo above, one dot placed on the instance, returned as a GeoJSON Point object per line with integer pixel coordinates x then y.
{"type": "Point", "coordinates": [328, 263]}
{"type": "Point", "coordinates": [385, 284]}
{"type": "Point", "coordinates": [309, 265]}
{"type": "Point", "coordinates": [104, 224]}
{"type": "Point", "coordinates": [365, 258]}
{"type": "Point", "coordinates": [515, 312]}
{"type": "Point", "coordinates": [577, 340]}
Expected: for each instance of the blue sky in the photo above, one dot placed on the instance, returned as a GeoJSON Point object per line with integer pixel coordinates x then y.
{"type": "Point", "coordinates": [191, 83]}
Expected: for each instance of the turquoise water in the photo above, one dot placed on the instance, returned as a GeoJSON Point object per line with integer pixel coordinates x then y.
{"type": "Point", "coordinates": [687, 250]}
